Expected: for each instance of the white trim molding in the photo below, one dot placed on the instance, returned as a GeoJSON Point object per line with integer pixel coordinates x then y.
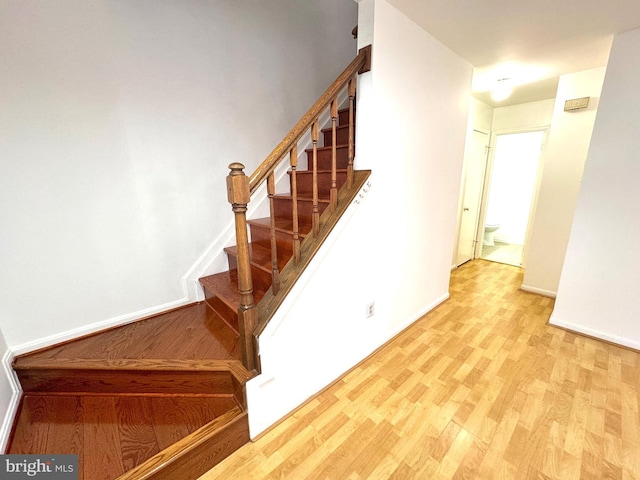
{"type": "Point", "coordinates": [625, 342]}
{"type": "Point", "coordinates": [11, 409]}
{"type": "Point", "coordinates": [538, 291]}
{"type": "Point", "coordinates": [99, 326]}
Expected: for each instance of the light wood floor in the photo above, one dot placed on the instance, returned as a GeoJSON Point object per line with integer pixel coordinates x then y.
{"type": "Point", "coordinates": [479, 388]}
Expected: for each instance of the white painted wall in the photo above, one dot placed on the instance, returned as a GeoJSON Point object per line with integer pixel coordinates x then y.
{"type": "Point", "coordinates": [118, 122]}
{"type": "Point", "coordinates": [563, 161]}
{"type": "Point", "coordinates": [598, 290]}
{"type": "Point", "coordinates": [396, 244]}
{"type": "Point", "coordinates": [480, 115]}
{"type": "Point", "coordinates": [524, 116]}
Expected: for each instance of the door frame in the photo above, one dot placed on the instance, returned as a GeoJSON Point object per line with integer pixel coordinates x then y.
{"type": "Point", "coordinates": [487, 186]}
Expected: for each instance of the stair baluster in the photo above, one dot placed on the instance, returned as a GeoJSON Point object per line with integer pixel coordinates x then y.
{"type": "Point", "coordinates": [293, 162]}
{"type": "Point", "coordinates": [333, 193]}
{"type": "Point", "coordinates": [315, 219]}
{"type": "Point", "coordinates": [351, 154]}
{"type": "Point", "coordinates": [275, 273]}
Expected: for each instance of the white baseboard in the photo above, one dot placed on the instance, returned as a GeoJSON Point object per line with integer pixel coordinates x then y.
{"type": "Point", "coordinates": [12, 408]}
{"type": "Point", "coordinates": [98, 326]}
{"type": "Point", "coordinates": [625, 342]}
{"type": "Point", "coordinates": [417, 316]}
{"type": "Point", "coordinates": [539, 291]}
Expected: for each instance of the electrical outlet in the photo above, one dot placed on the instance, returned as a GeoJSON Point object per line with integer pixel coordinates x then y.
{"type": "Point", "coordinates": [369, 312]}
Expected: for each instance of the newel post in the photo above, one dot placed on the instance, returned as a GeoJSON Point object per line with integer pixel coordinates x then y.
{"type": "Point", "coordinates": [239, 196]}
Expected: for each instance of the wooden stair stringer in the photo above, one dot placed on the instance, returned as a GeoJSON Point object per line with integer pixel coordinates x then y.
{"type": "Point", "coordinates": [311, 245]}
{"type": "Point", "coordinates": [198, 452]}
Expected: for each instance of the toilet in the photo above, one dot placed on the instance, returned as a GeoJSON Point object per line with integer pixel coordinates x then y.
{"type": "Point", "coordinates": [489, 232]}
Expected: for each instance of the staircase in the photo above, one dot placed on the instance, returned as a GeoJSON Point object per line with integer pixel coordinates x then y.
{"type": "Point", "coordinates": [164, 397]}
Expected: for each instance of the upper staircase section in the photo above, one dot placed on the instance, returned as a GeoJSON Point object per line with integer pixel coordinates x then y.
{"type": "Point", "coordinates": [272, 252]}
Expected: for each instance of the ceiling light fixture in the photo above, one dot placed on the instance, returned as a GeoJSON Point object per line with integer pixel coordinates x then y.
{"type": "Point", "coordinates": [502, 89]}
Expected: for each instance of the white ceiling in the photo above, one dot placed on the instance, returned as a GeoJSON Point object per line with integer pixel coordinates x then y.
{"type": "Point", "coordinates": [532, 43]}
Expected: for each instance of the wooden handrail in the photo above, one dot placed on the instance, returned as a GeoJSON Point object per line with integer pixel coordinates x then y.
{"type": "Point", "coordinates": [360, 64]}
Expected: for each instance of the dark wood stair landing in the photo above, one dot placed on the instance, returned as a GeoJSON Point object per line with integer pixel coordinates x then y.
{"type": "Point", "coordinates": [159, 398]}
{"type": "Point", "coordinates": [192, 332]}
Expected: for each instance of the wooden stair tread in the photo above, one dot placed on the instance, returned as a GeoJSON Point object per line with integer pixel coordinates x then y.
{"type": "Point", "coordinates": [192, 332]}
{"type": "Point", "coordinates": [324, 149]}
{"type": "Point", "coordinates": [338, 127]}
{"type": "Point", "coordinates": [260, 256]}
{"type": "Point", "coordinates": [225, 286]}
{"type": "Point", "coordinates": [287, 196]}
{"type": "Point", "coordinates": [284, 226]}
{"type": "Point", "coordinates": [320, 171]}
{"type": "Point", "coordinates": [146, 365]}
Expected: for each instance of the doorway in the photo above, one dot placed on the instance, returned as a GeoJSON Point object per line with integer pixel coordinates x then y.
{"type": "Point", "coordinates": [511, 189]}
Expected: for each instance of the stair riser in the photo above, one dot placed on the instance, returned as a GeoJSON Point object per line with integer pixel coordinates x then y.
{"type": "Point", "coordinates": [261, 279]}
{"type": "Point", "coordinates": [127, 382]}
{"type": "Point", "coordinates": [324, 158]}
{"type": "Point", "coordinates": [226, 312]}
{"type": "Point", "coordinates": [343, 116]}
{"type": "Point", "coordinates": [342, 136]}
{"type": "Point", "coordinates": [261, 236]}
{"type": "Point", "coordinates": [283, 208]}
{"type": "Point", "coordinates": [304, 180]}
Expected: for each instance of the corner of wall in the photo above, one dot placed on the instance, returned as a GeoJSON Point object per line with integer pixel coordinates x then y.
{"type": "Point", "coordinates": [9, 412]}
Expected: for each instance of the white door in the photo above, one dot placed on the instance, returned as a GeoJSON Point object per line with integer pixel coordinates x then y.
{"type": "Point", "coordinates": [474, 168]}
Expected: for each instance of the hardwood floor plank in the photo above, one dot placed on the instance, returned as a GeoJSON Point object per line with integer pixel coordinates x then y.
{"type": "Point", "coordinates": [192, 332]}
{"type": "Point", "coordinates": [196, 412]}
{"type": "Point", "coordinates": [101, 439]}
{"type": "Point", "coordinates": [168, 425]}
{"type": "Point", "coordinates": [66, 414]}
{"type": "Point", "coordinates": [470, 463]}
{"type": "Point", "coordinates": [31, 434]}
{"type": "Point", "coordinates": [135, 427]}
{"type": "Point", "coordinates": [337, 463]}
